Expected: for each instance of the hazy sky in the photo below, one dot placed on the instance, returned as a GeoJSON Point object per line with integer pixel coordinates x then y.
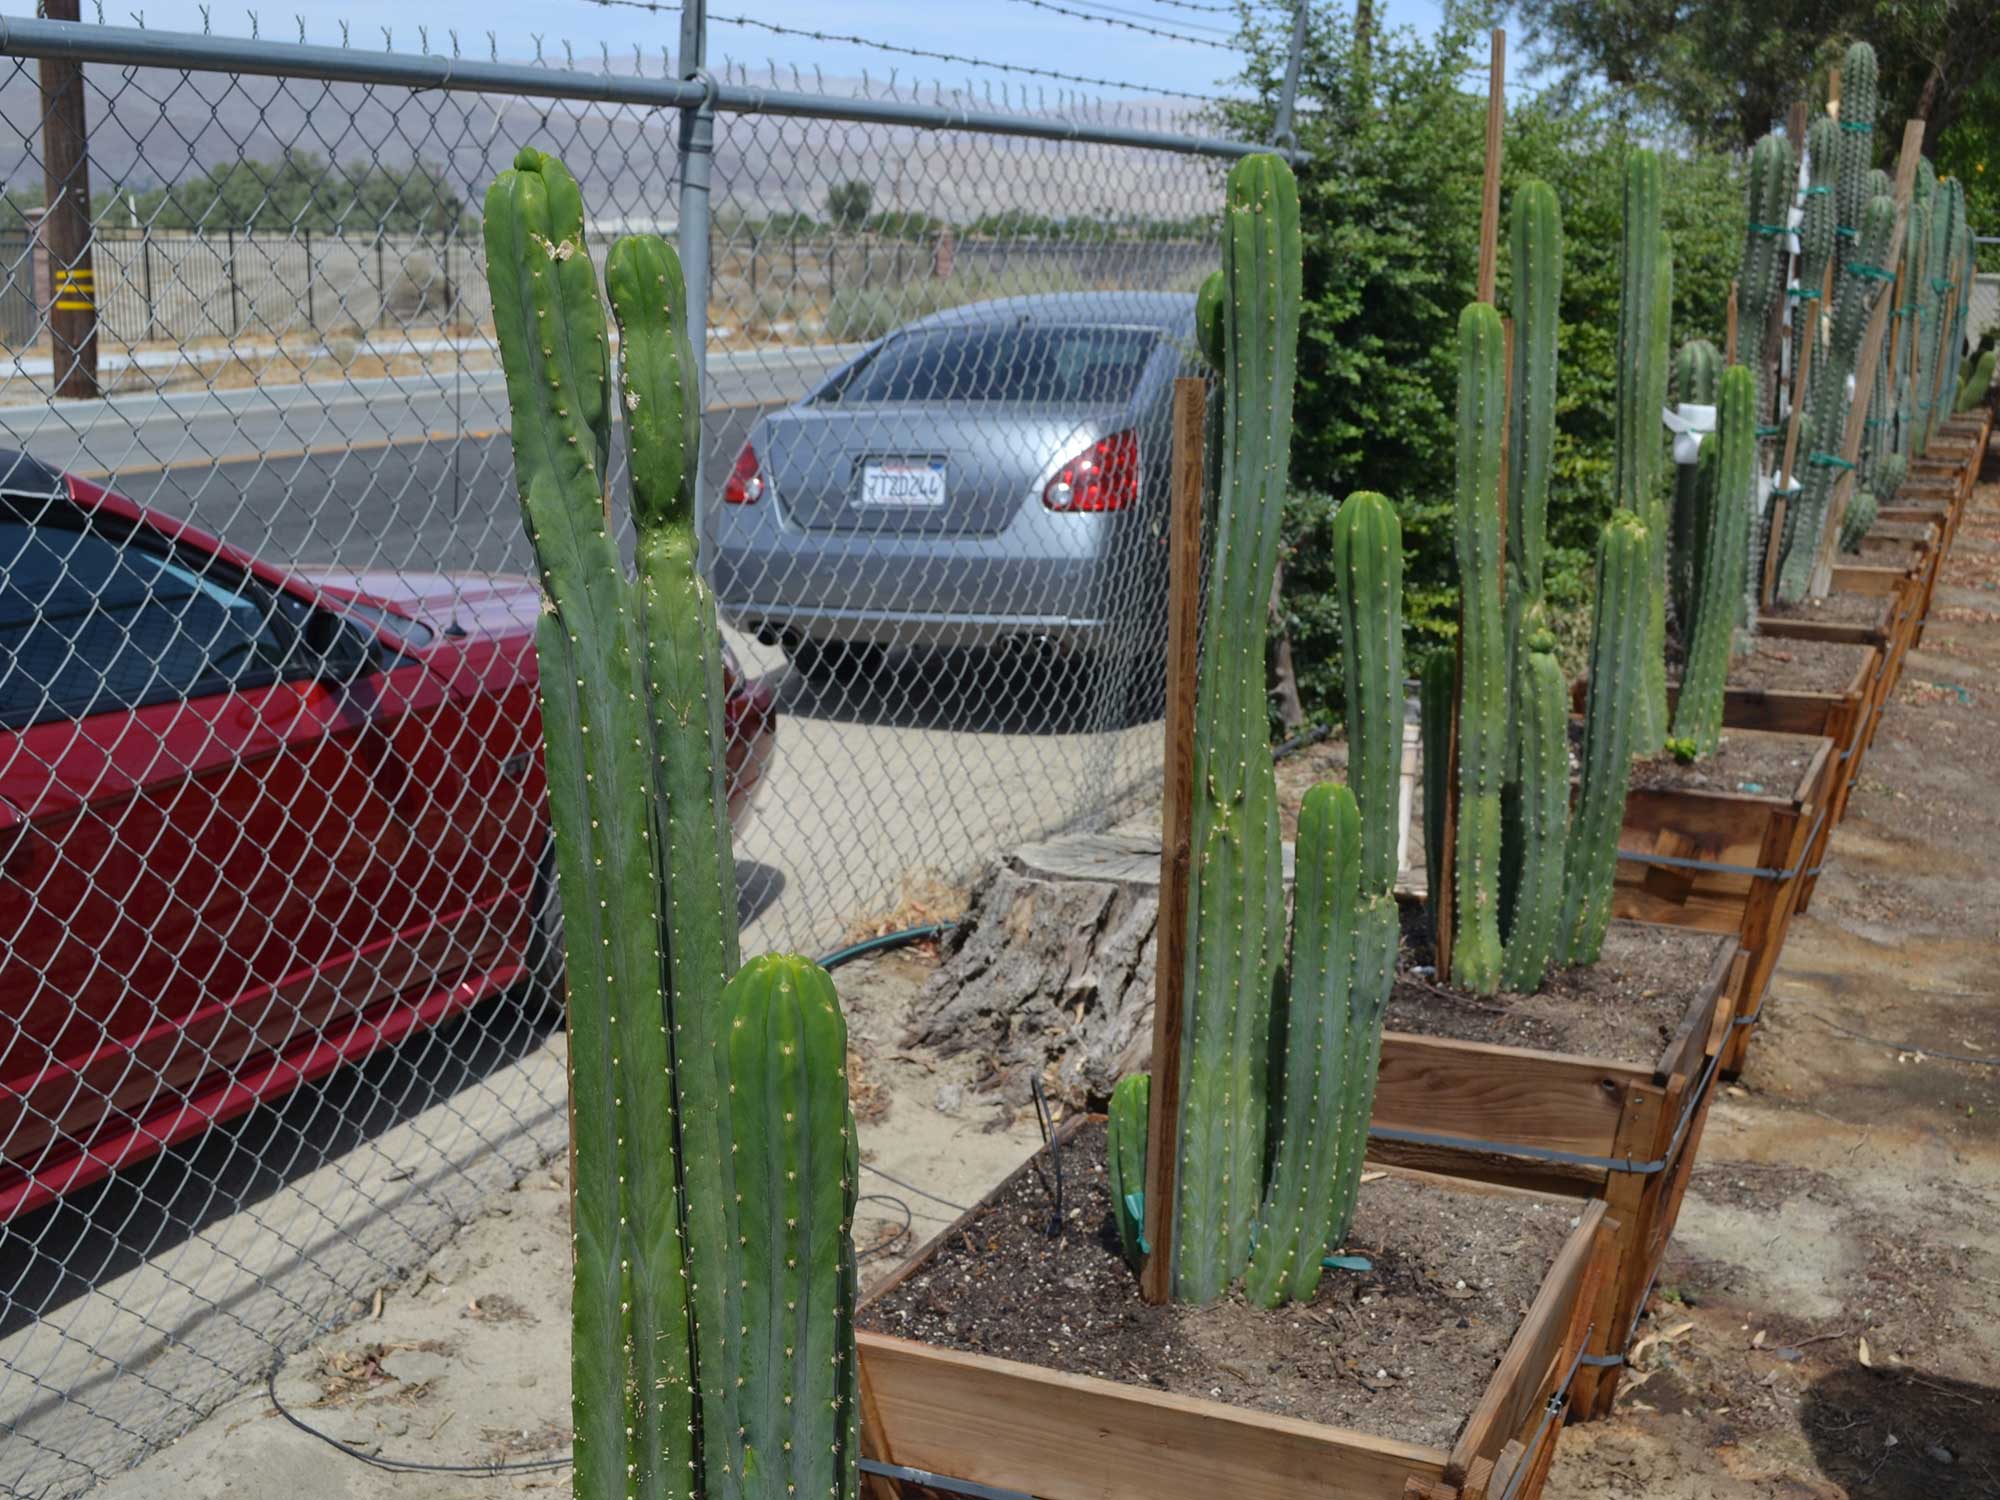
{"type": "Point", "coordinates": [1005, 30]}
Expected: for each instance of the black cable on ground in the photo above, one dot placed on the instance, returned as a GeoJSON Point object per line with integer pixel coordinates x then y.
{"type": "Point", "coordinates": [400, 1465]}
{"type": "Point", "coordinates": [900, 939]}
{"type": "Point", "coordinates": [1913, 1047]}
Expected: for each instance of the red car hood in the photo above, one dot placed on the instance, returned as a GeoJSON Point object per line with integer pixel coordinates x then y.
{"type": "Point", "coordinates": [483, 604]}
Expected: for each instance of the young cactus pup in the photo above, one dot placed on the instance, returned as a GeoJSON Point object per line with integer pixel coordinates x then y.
{"type": "Point", "coordinates": [712, 1326]}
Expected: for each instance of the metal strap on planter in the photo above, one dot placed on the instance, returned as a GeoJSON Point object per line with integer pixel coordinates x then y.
{"type": "Point", "coordinates": [1557, 1157]}
{"type": "Point", "coordinates": [1760, 872]}
{"type": "Point", "coordinates": [1558, 1400]}
{"type": "Point", "coordinates": [1615, 1361]}
{"type": "Point", "coordinates": [932, 1481]}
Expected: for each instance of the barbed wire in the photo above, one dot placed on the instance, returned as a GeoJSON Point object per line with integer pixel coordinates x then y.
{"type": "Point", "coordinates": [965, 60]}
{"type": "Point", "coordinates": [1142, 15]}
{"type": "Point", "coordinates": [1160, 31]}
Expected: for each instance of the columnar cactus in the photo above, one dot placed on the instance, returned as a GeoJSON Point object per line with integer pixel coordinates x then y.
{"type": "Point", "coordinates": [1368, 560]}
{"type": "Point", "coordinates": [1858, 108]}
{"type": "Point", "coordinates": [1482, 692]}
{"type": "Point", "coordinates": [1910, 347]}
{"type": "Point", "coordinates": [1858, 521]}
{"type": "Point", "coordinates": [683, 1249]}
{"type": "Point", "coordinates": [1642, 363]}
{"type": "Point", "coordinates": [1696, 373]}
{"type": "Point", "coordinates": [1654, 452]}
{"type": "Point", "coordinates": [1761, 279]}
{"type": "Point", "coordinates": [1618, 641]}
{"type": "Point", "coordinates": [1818, 223]}
{"type": "Point", "coordinates": [1733, 478]}
{"type": "Point", "coordinates": [1235, 898]}
{"type": "Point", "coordinates": [1125, 1149]}
{"type": "Point", "coordinates": [1863, 280]}
{"type": "Point", "coordinates": [1536, 274]}
{"type": "Point", "coordinates": [1541, 773]}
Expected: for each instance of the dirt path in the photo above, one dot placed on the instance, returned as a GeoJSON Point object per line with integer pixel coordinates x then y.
{"type": "Point", "coordinates": [1829, 1316]}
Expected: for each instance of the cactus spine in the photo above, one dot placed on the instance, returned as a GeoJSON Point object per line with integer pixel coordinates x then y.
{"type": "Point", "coordinates": [1618, 640]}
{"type": "Point", "coordinates": [630, 685]}
{"type": "Point", "coordinates": [1698, 714]}
{"type": "Point", "coordinates": [1696, 374]}
{"type": "Point", "coordinates": [1125, 1147]}
{"type": "Point", "coordinates": [1482, 695]}
{"type": "Point", "coordinates": [1235, 899]}
{"type": "Point", "coordinates": [1861, 284]}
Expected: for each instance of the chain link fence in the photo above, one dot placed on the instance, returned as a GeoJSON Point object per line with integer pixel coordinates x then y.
{"type": "Point", "coordinates": [278, 993]}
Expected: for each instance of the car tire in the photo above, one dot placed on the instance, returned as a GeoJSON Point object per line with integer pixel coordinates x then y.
{"type": "Point", "coordinates": [546, 988]}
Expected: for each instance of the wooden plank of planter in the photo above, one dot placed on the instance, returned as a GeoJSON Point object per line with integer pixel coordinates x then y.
{"type": "Point", "coordinates": [1539, 1357]}
{"type": "Point", "coordinates": [1176, 833]}
{"type": "Point", "coordinates": [1075, 1437]}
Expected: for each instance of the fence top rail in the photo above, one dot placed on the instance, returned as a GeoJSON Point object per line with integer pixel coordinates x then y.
{"type": "Point", "coordinates": [132, 46]}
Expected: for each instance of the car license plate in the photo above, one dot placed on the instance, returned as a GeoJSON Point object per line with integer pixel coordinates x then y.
{"type": "Point", "coordinates": [916, 483]}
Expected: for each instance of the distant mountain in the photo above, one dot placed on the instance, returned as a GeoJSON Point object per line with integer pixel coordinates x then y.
{"type": "Point", "coordinates": [151, 126]}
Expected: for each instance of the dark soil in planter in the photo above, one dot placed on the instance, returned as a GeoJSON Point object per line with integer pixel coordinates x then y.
{"type": "Point", "coordinates": [1402, 1351]}
{"type": "Point", "coordinates": [1756, 765]}
{"type": "Point", "coordinates": [1884, 552]}
{"type": "Point", "coordinates": [1857, 609]}
{"type": "Point", "coordinates": [1625, 1006]}
{"type": "Point", "coordinates": [1781, 666]}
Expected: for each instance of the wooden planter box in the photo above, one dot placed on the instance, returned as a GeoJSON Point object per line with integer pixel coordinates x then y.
{"type": "Point", "coordinates": [1731, 862]}
{"type": "Point", "coordinates": [1892, 627]}
{"type": "Point", "coordinates": [1040, 1432]}
{"type": "Point", "coordinates": [1620, 1131]}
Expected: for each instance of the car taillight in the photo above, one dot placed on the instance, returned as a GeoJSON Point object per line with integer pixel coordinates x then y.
{"type": "Point", "coordinates": [745, 484]}
{"type": "Point", "coordinates": [1105, 476]}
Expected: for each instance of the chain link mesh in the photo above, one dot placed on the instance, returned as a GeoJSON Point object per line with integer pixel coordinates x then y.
{"type": "Point", "coordinates": [278, 994]}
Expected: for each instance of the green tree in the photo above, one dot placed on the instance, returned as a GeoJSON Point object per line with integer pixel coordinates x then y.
{"type": "Point", "coordinates": [1727, 72]}
{"type": "Point", "coordinates": [847, 203]}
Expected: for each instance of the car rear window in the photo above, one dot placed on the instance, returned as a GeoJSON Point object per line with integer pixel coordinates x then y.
{"type": "Point", "coordinates": [1023, 362]}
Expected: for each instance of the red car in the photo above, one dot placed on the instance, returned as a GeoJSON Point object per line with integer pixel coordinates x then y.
{"type": "Point", "coordinates": [254, 823]}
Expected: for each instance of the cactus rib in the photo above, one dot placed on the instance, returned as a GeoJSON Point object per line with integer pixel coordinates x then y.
{"type": "Point", "coordinates": [1125, 1151]}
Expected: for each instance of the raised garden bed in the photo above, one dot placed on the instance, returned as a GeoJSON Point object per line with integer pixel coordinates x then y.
{"type": "Point", "coordinates": [1098, 1396]}
{"type": "Point", "coordinates": [1596, 1087]}
{"type": "Point", "coordinates": [1721, 846]}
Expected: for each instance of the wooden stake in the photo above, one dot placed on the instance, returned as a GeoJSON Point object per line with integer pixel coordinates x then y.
{"type": "Point", "coordinates": [1156, 1279]}
{"type": "Point", "coordinates": [1729, 334]}
{"type": "Point", "coordinates": [1828, 541]}
{"type": "Point", "coordinates": [1489, 202]}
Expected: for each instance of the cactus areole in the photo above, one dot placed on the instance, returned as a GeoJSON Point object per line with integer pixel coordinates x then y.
{"type": "Point", "coordinates": [712, 1330]}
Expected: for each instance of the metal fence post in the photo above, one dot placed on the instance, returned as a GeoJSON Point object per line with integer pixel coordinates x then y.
{"type": "Point", "coordinates": [146, 281]}
{"type": "Point", "coordinates": [1282, 133]}
{"type": "Point", "coordinates": [235, 296]}
{"type": "Point", "coordinates": [307, 235]}
{"type": "Point", "coordinates": [697, 148]}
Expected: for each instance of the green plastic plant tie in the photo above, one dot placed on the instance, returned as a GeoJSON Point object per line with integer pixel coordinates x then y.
{"type": "Point", "coordinates": [1772, 431]}
{"type": "Point", "coordinates": [1135, 1205]}
{"type": "Point", "coordinates": [1802, 294]}
{"type": "Point", "coordinates": [1868, 272]}
{"type": "Point", "coordinates": [1828, 461]}
{"type": "Point", "coordinates": [1940, 284]}
{"type": "Point", "coordinates": [1347, 1263]}
{"type": "Point", "coordinates": [1859, 127]}
{"type": "Point", "coordinates": [1846, 233]}
{"type": "Point", "coordinates": [1770, 229]}
{"type": "Point", "coordinates": [1815, 192]}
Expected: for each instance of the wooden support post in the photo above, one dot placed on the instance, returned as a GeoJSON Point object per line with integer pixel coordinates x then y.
{"type": "Point", "coordinates": [1489, 201]}
{"type": "Point", "coordinates": [1729, 334]}
{"type": "Point", "coordinates": [1156, 1279]}
{"type": "Point", "coordinates": [65, 227]}
{"type": "Point", "coordinates": [1828, 541]}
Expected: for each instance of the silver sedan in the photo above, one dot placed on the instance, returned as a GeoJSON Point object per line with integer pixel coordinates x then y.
{"type": "Point", "coordinates": [990, 476]}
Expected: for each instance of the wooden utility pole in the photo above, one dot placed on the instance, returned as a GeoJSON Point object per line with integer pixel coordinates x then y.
{"type": "Point", "coordinates": [1163, 1124]}
{"type": "Point", "coordinates": [65, 227]}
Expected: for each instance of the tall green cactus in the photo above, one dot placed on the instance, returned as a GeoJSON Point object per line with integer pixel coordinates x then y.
{"type": "Point", "coordinates": [714, 1273]}
{"type": "Point", "coordinates": [1235, 899]}
{"type": "Point", "coordinates": [1541, 774]}
{"type": "Point", "coordinates": [1858, 107]}
{"type": "Point", "coordinates": [1326, 1026]}
{"type": "Point", "coordinates": [1536, 274]}
{"type": "Point", "coordinates": [1618, 642]}
{"type": "Point", "coordinates": [1125, 1149]}
{"type": "Point", "coordinates": [1697, 371]}
{"type": "Point", "coordinates": [1367, 542]}
{"type": "Point", "coordinates": [1863, 280]}
{"type": "Point", "coordinates": [1818, 226]}
{"type": "Point", "coordinates": [1482, 691]}
{"type": "Point", "coordinates": [1698, 714]}
{"type": "Point", "coordinates": [1644, 315]}
{"type": "Point", "coordinates": [1909, 321]}
{"type": "Point", "coordinates": [1761, 277]}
